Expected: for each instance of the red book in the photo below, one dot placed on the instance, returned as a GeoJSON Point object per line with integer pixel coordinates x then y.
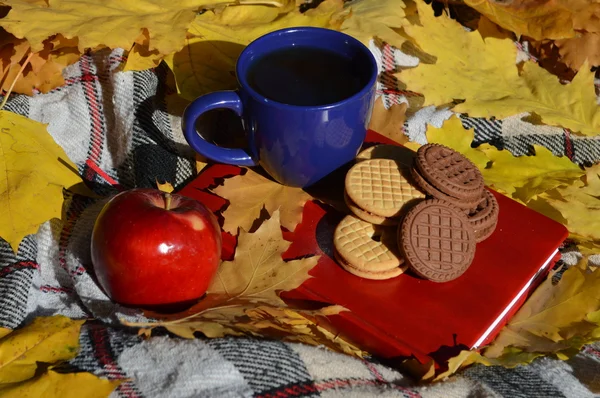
{"type": "Point", "coordinates": [408, 316]}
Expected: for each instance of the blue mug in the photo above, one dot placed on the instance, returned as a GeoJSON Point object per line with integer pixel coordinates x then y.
{"type": "Point", "coordinates": [296, 144]}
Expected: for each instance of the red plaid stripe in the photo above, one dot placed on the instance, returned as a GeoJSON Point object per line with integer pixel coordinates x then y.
{"type": "Point", "coordinates": [104, 355]}
{"type": "Point", "coordinates": [17, 266]}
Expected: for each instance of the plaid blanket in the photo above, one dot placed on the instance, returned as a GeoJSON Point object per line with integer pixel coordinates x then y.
{"type": "Point", "coordinates": [116, 127]}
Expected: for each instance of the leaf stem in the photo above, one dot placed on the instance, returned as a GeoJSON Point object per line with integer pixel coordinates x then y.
{"type": "Point", "coordinates": [12, 85]}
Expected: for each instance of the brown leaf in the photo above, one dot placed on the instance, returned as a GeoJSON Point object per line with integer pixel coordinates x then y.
{"type": "Point", "coordinates": [584, 46]}
{"type": "Point", "coordinates": [250, 193]}
{"type": "Point", "coordinates": [389, 122]}
{"type": "Point", "coordinates": [258, 271]}
{"type": "Point", "coordinates": [44, 71]}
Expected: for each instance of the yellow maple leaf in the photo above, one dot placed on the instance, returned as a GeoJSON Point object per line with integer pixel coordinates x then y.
{"type": "Point", "coordinates": [248, 194]}
{"type": "Point", "coordinates": [258, 272]}
{"type": "Point", "coordinates": [63, 385]}
{"type": "Point", "coordinates": [555, 317]}
{"type": "Point", "coordinates": [453, 135]}
{"type": "Point", "coordinates": [389, 122]}
{"type": "Point", "coordinates": [110, 23]}
{"type": "Point", "coordinates": [525, 177]}
{"type": "Point", "coordinates": [46, 339]}
{"type": "Point", "coordinates": [580, 207]}
{"type": "Point", "coordinates": [375, 18]}
{"type": "Point", "coordinates": [208, 62]}
{"type": "Point", "coordinates": [465, 62]}
{"type": "Point", "coordinates": [548, 19]}
{"type": "Point", "coordinates": [33, 172]}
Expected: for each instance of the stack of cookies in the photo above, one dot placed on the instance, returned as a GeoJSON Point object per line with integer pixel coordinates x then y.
{"type": "Point", "coordinates": [426, 210]}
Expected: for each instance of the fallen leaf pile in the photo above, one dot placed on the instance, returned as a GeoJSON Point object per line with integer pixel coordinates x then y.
{"type": "Point", "coordinates": [28, 355]}
{"type": "Point", "coordinates": [243, 298]}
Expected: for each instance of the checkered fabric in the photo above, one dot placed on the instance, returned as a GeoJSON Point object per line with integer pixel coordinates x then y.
{"type": "Point", "coordinates": [116, 127]}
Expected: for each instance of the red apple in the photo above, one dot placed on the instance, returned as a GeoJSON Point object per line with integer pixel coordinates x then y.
{"type": "Point", "coordinates": [153, 248]}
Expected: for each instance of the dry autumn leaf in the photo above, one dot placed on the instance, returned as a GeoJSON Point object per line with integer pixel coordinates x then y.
{"type": "Point", "coordinates": [46, 339]}
{"type": "Point", "coordinates": [69, 385]}
{"type": "Point", "coordinates": [248, 194]}
{"type": "Point", "coordinates": [389, 122]}
{"type": "Point", "coordinates": [217, 39]}
{"type": "Point", "coordinates": [375, 18]}
{"type": "Point", "coordinates": [44, 70]}
{"type": "Point", "coordinates": [579, 205]}
{"type": "Point", "coordinates": [110, 23]}
{"type": "Point", "coordinates": [258, 272]}
{"type": "Point", "coordinates": [556, 320]}
{"type": "Point", "coordinates": [575, 51]}
{"type": "Point", "coordinates": [539, 19]}
{"type": "Point", "coordinates": [491, 85]}
{"type": "Point", "coordinates": [525, 177]}
{"type": "Point", "coordinates": [33, 166]}
{"type": "Point", "coordinates": [165, 186]}
{"type": "Point", "coordinates": [553, 316]}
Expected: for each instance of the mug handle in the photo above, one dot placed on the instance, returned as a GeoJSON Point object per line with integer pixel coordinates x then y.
{"type": "Point", "coordinates": [218, 100]}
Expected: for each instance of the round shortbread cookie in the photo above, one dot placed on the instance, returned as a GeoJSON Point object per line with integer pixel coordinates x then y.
{"type": "Point", "coordinates": [432, 191]}
{"type": "Point", "coordinates": [449, 171]}
{"type": "Point", "coordinates": [381, 187]}
{"type": "Point", "coordinates": [400, 154]}
{"type": "Point", "coordinates": [366, 216]}
{"type": "Point", "coordinates": [354, 240]}
{"type": "Point", "coordinates": [437, 240]}
{"type": "Point", "coordinates": [379, 275]}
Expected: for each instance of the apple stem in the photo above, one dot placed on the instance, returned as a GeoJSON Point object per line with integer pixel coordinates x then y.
{"type": "Point", "coordinates": [168, 201]}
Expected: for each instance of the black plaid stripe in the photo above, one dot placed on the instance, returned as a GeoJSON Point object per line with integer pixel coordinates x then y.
{"type": "Point", "coordinates": [14, 291]}
{"type": "Point", "coordinates": [100, 346]}
{"type": "Point", "coordinates": [16, 280]}
{"type": "Point", "coordinates": [485, 130]}
{"type": "Point", "coordinates": [17, 104]}
{"type": "Point", "coordinates": [586, 150]}
{"type": "Point", "coordinates": [520, 145]}
{"type": "Point", "coordinates": [266, 365]}
{"type": "Point", "coordinates": [520, 382]}
{"type": "Point", "coordinates": [154, 152]}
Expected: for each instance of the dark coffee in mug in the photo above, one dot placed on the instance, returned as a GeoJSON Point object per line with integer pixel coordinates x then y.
{"type": "Point", "coordinates": [307, 76]}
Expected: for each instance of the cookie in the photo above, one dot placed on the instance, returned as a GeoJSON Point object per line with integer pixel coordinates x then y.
{"type": "Point", "coordinates": [437, 240]}
{"type": "Point", "coordinates": [484, 216]}
{"type": "Point", "coordinates": [402, 155]}
{"type": "Point", "coordinates": [483, 234]}
{"type": "Point", "coordinates": [365, 215]}
{"type": "Point", "coordinates": [432, 191]}
{"type": "Point", "coordinates": [366, 250]}
{"type": "Point", "coordinates": [380, 187]}
{"type": "Point", "coordinates": [449, 171]}
{"type": "Point", "coordinates": [374, 275]}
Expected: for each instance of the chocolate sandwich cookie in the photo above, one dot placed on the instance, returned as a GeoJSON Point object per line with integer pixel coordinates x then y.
{"type": "Point", "coordinates": [420, 181]}
{"type": "Point", "coordinates": [450, 172]}
{"type": "Point", "coordinates": [379, 192]}
{"type": "Point", "coordinates": [367, 251]}
{"type": "Point", "coordinates": [437, 240]}
{"type": "Point", "coordinates": [484, 217]}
